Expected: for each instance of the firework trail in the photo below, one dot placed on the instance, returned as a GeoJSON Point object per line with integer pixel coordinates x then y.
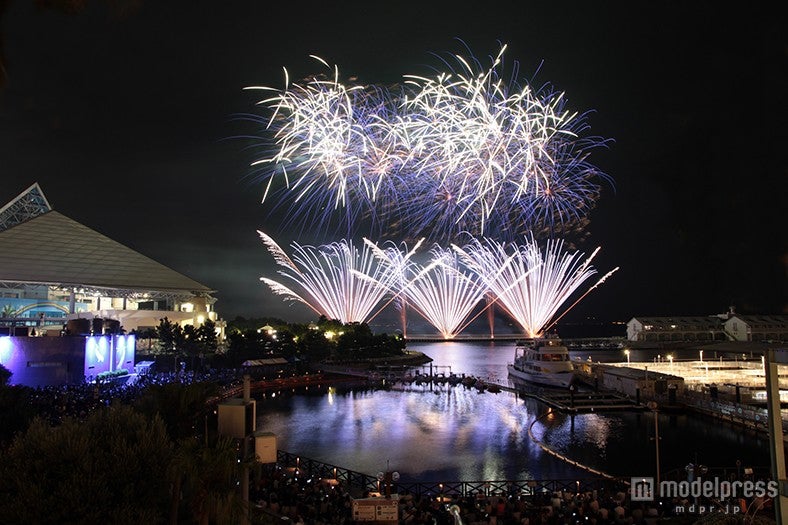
{"type": "Point", "coordinates": [440, 291]}
{"type": "Point", "coordinates": [336, 280]}
{"type": "Point", "coordinates": [529, 284]}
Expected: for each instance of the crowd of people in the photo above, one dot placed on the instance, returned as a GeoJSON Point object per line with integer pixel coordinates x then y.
{"type": "Point", "coordinates": [285, 495]}
{"type": "Point", "coordinates": [55, 403]}
{"type": "Point", "coordinates": [314, 501]}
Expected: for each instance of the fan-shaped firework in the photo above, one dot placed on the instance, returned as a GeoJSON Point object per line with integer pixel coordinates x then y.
{"type": "Point", "coordinates": [399, 260]}
{"type": "Point", "coordinates": [444, 294]}
{"type": "Point", "coordinates": [530, 285]}
{"type": "Point", "coordinates": [460, 152]}
{"type": "Point", "coordinates": [338, 281]}
{"type": "Point", "coordinates": [341, 282]}
{"type": "Point", "coordinates": [441, 291]}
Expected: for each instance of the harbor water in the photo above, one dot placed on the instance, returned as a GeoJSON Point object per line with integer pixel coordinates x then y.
{"type": "Point", "coordinates": [439, 433]}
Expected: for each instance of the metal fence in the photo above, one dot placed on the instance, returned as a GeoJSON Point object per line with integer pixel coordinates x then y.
{"type": "Point", "coordinates": [361, 482]}
{"type": "Point", "coordinates": [753, 417]}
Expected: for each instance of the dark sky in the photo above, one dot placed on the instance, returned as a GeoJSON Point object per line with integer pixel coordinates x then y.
{"type": "Point", "coordinates": [125, 120]}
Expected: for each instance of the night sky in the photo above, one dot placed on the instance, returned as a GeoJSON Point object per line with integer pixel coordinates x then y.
{"type": "Point", "coordinates": [127, 117]}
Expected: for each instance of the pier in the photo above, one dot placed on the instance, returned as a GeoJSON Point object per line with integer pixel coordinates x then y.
{"type": "Point", "coordinates": [573, 344]}
{"type": "Point", "coordinates": [576, 402]}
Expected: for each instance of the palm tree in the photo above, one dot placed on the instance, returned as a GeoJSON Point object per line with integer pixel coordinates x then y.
{"type": "Point", "coordinates": [8, 311]}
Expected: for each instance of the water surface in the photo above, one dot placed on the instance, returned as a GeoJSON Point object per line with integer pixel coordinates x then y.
{"type": "Point", "coordinates": [444, 433]}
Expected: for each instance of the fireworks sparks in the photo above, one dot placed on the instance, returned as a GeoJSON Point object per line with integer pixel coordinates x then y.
{"type": "Point", "coordinates": [460, 152]}
{"type": "Point", "coordinates": [529, 284]}
{"type": "Point", "coordinates": [343, 283]}
{"type": "Point", "coordinates": [441, 291]}
{"type": "Point", "coordinates": [337, 280]}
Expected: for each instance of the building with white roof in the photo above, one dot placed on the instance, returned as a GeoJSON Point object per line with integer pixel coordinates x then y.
{"type": "Point", "coordinates": [61, 278]}
{"type": "Point", "coordinates": [54, 269]}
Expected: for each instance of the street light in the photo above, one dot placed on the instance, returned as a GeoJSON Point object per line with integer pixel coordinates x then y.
{"type": "Point", "coordinates": [653, 407]}
{"type": "Point", "coordinates": [626, 352]}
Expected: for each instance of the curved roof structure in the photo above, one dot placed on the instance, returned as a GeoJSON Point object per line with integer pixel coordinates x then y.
{"type": "Point", "coordinates": [42, 246]}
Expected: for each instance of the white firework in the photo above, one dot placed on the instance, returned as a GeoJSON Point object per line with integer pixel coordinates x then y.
{"type": "Point", "coordinates": [336, 280]}
{"type": "Point", "coordinates": [444, 294]}
{"type": "Point", "coordinates": [529, 284]}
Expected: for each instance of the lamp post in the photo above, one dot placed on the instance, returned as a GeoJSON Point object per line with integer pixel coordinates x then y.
{"type": "Point", "coordinates": [653, 407]}
{"type": "Point", "coordinates": [626, 352]}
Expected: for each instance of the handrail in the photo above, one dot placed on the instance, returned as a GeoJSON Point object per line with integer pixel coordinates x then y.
{"type": "Point", "coordinates": [364, 482]}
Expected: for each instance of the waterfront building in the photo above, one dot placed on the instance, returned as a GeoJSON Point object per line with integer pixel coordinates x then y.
{"type": "Point", "coordinates": [70, 295]}
{"type": "Point", "coordinates": [756, 328]}
{"type": "Point", "coordinates": [54, 269]}
{"type": "Point", "coordinates": [684, 328]}
{"type": "Point", "coordinates": [728, 326]}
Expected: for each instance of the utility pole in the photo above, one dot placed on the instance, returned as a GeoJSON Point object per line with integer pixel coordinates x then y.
{"type": "Point", "coordinates": [653, 406]}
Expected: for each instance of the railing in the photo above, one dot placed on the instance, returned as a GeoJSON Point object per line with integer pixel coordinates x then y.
{"type": "Point", "coordinates": [365, 482]}
{"type": "Point", "coordinates": [750, 416]}
{"type": "Point", "coordinates": [312, 467]}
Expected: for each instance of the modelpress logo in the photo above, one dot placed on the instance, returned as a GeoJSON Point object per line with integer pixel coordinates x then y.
{"type": "Point", "coordinates": [644, 489]}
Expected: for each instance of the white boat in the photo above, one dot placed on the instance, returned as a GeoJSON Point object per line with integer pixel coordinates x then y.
{"type": "Point", "coordinates": [544, 362]}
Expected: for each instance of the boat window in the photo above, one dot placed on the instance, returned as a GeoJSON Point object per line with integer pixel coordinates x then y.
{"type": "Point", "coordinates": [553, 357]}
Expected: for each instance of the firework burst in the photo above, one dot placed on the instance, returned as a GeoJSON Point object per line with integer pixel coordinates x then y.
{"type": "Point", "coordinates": [336, 280]}
{"type": "Point", "coordinates": [441, 291]}
{"type": "Point", "coordinates": [444, 294]}
{"type": "Point", "coordinates": [530, 285]}
{"type": "Point", "coordinates": [460, 152]}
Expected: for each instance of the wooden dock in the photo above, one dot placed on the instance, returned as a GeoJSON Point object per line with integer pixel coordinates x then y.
{"type": "Point", "coordinates": [580, 401]}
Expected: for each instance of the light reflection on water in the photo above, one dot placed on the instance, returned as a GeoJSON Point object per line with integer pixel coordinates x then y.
{"type": "Point", "coordinates": [445, 433]}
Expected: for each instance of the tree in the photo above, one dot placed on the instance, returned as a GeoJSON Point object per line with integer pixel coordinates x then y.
{"type": "Point", "coordinates": [171, 338]}
{"type": "Point", "coordinates": [314, 345]}
{"type": "Point", "coordinates": [111, 468]}
{"type": "Point", "coordinates": [180, 406]}
{"type": "Point", "coordinates": [8, 311]}
{"type": "Point", "coordinates": [5, 375]}
{"type": "Point", "coordinates": [203, 339]}
{"type": "Point", "coordinates": [250, 343]}
{"type": "Point", "coordinates": [145, 334]}
{"type": "Point", "coordinates": [204, 475]}
{"type": "Point", "coordinates": [17, 410]}
{"type": "Point", "coordinates": [207, 335]}
{"type": "Point", "coordinates": [355, 341]}
{"type": "Point", "coordinates": [191, 343]}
